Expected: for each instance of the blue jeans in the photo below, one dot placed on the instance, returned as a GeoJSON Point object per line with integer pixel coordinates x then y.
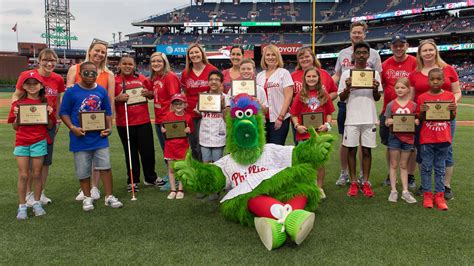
{"type": "Point", "coordinates": [434, 156]}
{"type": "Point", "coordinates": [450, 159]}
{"type": "Point", "coordinates": [161, 137]}
{"type": "Point", "coordinates": [277, 136]}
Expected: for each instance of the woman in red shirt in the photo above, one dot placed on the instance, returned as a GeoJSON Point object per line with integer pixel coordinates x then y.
{"type": "Point", "coordinates": [236, 56]}
{"type": "Point", "coordinates": [194, 81]}
{"type": "Point", "coordinates": [127, 83]}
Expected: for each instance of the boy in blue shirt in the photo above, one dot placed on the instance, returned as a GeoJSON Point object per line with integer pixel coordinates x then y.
{"type": "Point", "coordinates": [91, 149]}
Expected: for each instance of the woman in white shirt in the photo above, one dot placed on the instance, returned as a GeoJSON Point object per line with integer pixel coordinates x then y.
{"type": "Point", "coordinates": [278, 85]}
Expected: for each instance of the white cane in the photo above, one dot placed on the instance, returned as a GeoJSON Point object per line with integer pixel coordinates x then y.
{"type": "Point", "coordinates": [128, 146]}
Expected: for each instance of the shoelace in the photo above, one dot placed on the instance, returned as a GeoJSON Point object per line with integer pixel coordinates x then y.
{"type": "Point", "coordinates": [284, 212]}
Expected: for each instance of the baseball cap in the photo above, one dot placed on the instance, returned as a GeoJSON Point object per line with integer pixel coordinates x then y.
{"type": "Point", "coordinates": [30, 75]}
{"type": "Point", "coordinates": [178, 96]}
{"type": "Point", "coordinates": [399, 38]}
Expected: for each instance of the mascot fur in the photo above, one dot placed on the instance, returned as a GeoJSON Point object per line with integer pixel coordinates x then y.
{"type": "Point", "coordinates": [256, 173]}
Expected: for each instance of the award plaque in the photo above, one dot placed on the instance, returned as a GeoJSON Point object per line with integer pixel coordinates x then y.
{"type": "Point", "coordinates": [362, 79]}
{"type": "Point", "coordinates": [438, 111]}
{"type": "Point", "coordinates": [314, 120]}
{"type": "Point", "coordinates": [243, 86]}
{"type": "Point", "coordinates": [210, 102]}
{"type": "Point", "coordinates": [175, 129]}
{"type": "Point", "coordinates": [33, 114]}
{"type": "Point", "coordinates": [403, 123]}
{"type": "Point", "coordinates": [92, 121]}
{"type": "Point", "coordinates": [135, 96]}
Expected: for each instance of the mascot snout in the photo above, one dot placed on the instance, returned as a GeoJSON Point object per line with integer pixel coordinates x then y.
{"type": "Point", "coordinates": [245, 134]}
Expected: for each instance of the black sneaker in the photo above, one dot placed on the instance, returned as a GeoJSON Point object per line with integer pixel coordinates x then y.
{"type": "Point", "coordinates": [411, 181]}
{"type": "Point", "coordinates": [448, 193]}
{"type": "Point", "coordinates": [419, 192]}
{"type": "Point", "coordinates": [135, 187]}
{"type": "Point", "coordinates": [159, 182]}
{"type": "Point", "coordinates": [386, 182]}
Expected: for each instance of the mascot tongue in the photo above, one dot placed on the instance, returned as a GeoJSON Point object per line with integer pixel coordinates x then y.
{"type": "Point", "coordinates": [245, 134]}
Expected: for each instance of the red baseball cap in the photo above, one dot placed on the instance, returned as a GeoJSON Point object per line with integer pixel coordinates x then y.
{"type": "Point", "coordinates": [178, 96]}
{"type": "Point", "coordinates": [30, 75]}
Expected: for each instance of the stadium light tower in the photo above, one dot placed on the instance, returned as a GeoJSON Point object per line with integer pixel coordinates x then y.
{"type": "Point", "coordinates": [58, 23]}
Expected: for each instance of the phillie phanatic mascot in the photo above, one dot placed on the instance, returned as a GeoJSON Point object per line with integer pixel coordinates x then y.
{"type": "Point", "coordinates": [269, 186]}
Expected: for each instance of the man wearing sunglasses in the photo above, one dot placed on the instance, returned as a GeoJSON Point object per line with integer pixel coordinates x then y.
{"type": "Point", "coordinates": [90, 148]}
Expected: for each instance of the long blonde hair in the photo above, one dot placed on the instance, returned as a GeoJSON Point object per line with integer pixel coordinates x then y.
{"type": "Point", "coordinates": [189, 64]}
{"type": "Point", "coordinates": [166, 66]}
{"type": "Point", "coordinates": [419, 61]}
{"type": "Point", "coordinates": [103, 65]}
{"type": "Point", "coordinates": [304, 93]}
{"type": "Point", "coordinates": [301, 52]}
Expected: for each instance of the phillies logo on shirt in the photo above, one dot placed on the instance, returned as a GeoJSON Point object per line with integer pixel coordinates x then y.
{"type": "Point", "coordinates": [346, 62]}
{"type": "Point", "coordinates": [436, 126]}
{"type": "Point", "coordinates": [190, 83]}
{"type": "Point", "coordinates": [158, 83]}
{"type": "Point", "coordinates": [237, 177]}
{"type": "Point", "coordinates": [50, 91]}
{"type": "Point", "coordinates": [396, 74]}
{"type": "Point", "coordinates": [297, 88]}
{"type": "Point", "coordinates": [91, 103]}
{"type": "Point", "coordinates": [313, 103]}
{"type": "Point", "coordinates": [402, 110]}
{"type": "Point", "coordinates": [272, 85]}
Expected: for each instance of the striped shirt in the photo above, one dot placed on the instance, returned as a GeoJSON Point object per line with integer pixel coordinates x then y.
{"type": "Point", "coordinates": [274, 87]}
{"type": "Point", "coordinates": [212, 130]}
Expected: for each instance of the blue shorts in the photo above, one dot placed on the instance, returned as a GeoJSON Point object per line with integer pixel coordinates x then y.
{"type": "Point", "coordinates": [395, 143]}
{"type": "Point", "coordinates": [211, 154]}
{"type": "Point", "coordinates": [341, 117]}
{"type": "Point", "coordinates": [34, 150]}
{"type": "Point", "coordinates": [83, 161]}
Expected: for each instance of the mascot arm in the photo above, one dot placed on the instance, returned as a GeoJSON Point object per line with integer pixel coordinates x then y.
{"type": "Point", "coordinates": [199, 177]}
{"type": "Point", "coordinates": [314, 150]}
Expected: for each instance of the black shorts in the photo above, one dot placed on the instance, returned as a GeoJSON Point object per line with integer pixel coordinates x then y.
{"type": "Point", "coordinates": [341, 117]}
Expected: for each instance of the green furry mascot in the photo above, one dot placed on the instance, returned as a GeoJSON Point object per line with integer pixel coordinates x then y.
{"type": "Point", "coordinates": [269, 186]}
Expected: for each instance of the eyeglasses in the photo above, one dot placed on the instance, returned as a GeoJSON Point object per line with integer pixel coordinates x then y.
{"type": "Point", "coordinates": [361, 52]}
{"type": "Point", "coordinates": [99, 41]}
{"type": "Point", "coordinates": [91, 73]}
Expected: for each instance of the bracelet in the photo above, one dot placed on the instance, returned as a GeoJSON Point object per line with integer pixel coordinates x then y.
{"type": "Point", "coordinates": [72, 127]}
{"type": "Point", "coordinates": [297, 125]}
{"type": "Point", "coordinates": [280, 118]}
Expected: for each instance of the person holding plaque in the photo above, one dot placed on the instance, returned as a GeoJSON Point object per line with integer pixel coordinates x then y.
{"type": "Point", "coordinates": [54, 87]}
{"type": "Point", "coordinates": [236, 55]}
{"type": "Point", "coordinates": [31, 117]}
{"type": "Point", "coordinates": [193, 82]}
{"type": "Point", "coordinates": [87, 113]}
{"type": "Point", "coordinates": [436, 108]}
{"type": "Point", "coordinates": [361, 116]}
{"type": "Point", "coordinates": [130, 85]}
{"type": "Point", "coordinates": [176, 141]}
{"type": "Point", "coordinates": [401, 140]}
{"type": "Point", "coordinates": [247, 72]}
{"type": "Point", "coordinates": [312, 100]}
{"type": "Point", "coordinates": [428, 58]}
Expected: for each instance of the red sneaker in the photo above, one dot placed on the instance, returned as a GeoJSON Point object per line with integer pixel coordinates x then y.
{"type": "Point", "coordinates": [428, 200]}
{"type": "Point", "coordinates": [367, 190]}
{"type": "Point", "coordinates": [440, 202]}
{"type": "Point", "coordinates": [353, 190]}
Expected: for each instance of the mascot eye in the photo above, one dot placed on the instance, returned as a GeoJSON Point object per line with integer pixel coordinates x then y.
{"type": "Point", "coordinates": [248, 112]}
{"type": "Point", "coordinates": [239, 114]}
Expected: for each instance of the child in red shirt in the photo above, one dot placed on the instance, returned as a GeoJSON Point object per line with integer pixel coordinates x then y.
{"type": "Point", "coordinates": [176, 148]}
{"type": "Point", "coordinates": [435, 140]}
{"type": "Point", "coordinates": [312, 98]}
{"type": "Point", "coordinates": [31, 141]}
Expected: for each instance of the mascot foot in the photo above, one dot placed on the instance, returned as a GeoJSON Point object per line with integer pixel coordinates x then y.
{"type": "Point", "coordinates": [270, 232]}
{"type": "Point", "coordinates": [299, 224]}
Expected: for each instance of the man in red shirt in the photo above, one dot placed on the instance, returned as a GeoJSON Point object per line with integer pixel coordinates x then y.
{"type": "Point", "coordinates": [397, 66]}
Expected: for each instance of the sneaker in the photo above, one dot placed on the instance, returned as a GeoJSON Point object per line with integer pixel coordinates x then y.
{"type": "Point", "coordinates": [411, 181]}
{"type": "Point", "coordinates": [30, 199]}
{"type": "Point", "coordinates": [136, 188]}
{"type": "Point", "coordinates": [440, 202]}
{"type": "Point", "coordinates": [270, 233]}
{"type": "Point", "coordinates": [322, 195]}
{"type": "Point", "coordinates": [159, 182]}
{"type": "Point", "coordinates": [172, 195]}
{"type": "Point", "coordinates": [45, 200]}
{"type": "Point", "coordinates": [393, 197]}
{"type": "Point", "coordinates": [87, 204]}
{"type": "Point", "coordinates": [180, 194]}
{"type": "Point", "coordinates": [80, 196]}
{"type": "Point", "coordinates": [95, 193]}
{"type": "Point", "coordinates": [113, 202]}
{"type": "Point", "coordinates": [419, 192]}
{"type": "Point", "coordinates": [343, 180]}
{"type": "Point", "coordinates": [353, 189]}
{"type": "Point", "coordinates": [38, 209]}
{"type": "Point", "coordinates": [448, 193]}
{"type": "Point", "coordinates": [360, 179]}
{"type": "Point", "coordinates": [367, 190]}
{"type": "Point", "coordinates": [408, 197]}
{"type": "Point", "coordinates": [22, 213]}
{"type": "Point", "coordinates": [428, 200]}
{"type": "Point", "coordinates": [299, 224]}
{"type": "Point", "coordinates": [386, 182]}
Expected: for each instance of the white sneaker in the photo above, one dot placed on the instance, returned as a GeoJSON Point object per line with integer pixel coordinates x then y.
{"type": "Point", "coordinates": [322, 195]}
{"type": "Point", "coordinates": [113, 202]}
{"type": "Point", "coordinates": [45, 200]}
{"type": "Point", "coordinates": [88, 204]}
{"type": "Point", "coordinates": [393, 197]}
{"type": "Point", "coordinates": [343, 179]}
{"type": "Point", "coordinates": [408, 197]}
{"type": "Point", "coordinates": [30, 199]}
{"type": "Point", "coordinates": [95, 193]}
{"type": "Point", "coordinates": [80, 196]}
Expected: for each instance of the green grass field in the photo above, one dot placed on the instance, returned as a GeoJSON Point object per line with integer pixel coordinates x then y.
{"type": "Point", "coordinates": [154, 230]}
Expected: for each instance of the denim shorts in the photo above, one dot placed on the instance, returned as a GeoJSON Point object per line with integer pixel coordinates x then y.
{"type": "Point", "coordinates": [83, 161]}
{"type": "Point", "coordinates": [211, 154]}
{"type": "Point", "coordinates": [395, 143]}
{"type": "Point", "coordinates": [341, 117]}
{"type": "Point", "coordinates": [34, 150]}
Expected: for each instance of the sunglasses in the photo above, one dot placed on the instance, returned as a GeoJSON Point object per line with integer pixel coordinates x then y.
{"type": "Point", "coordinates": [94, 41]}
{"type": "Point", "coordinates": [91, 73]}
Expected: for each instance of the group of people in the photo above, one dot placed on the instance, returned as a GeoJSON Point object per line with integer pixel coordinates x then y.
{"type": "Point", "coordinates": [407, 82]}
